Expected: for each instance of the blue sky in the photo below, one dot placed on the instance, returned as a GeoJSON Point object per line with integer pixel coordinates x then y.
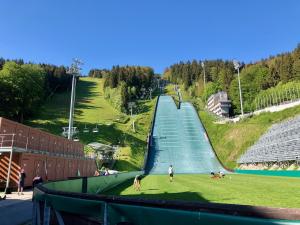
{"type": "Point", "coordinates": [154, 33]}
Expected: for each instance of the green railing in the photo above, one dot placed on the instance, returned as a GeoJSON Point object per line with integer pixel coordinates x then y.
{"type": "Point", "coordinates": [76, 202]}
{"type": "Point", "coordinates": [283, 173]}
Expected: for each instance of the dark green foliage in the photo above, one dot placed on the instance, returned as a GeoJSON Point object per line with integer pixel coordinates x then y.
{"type": "Point", "coordinates": [23, 86]}
{"type": "Point", "coordinates": [98, 73]}
{"type": "Point", "coordinates": [2, 61]}
{"type": "Point", "coordinates": [254, 77]}
{"type": "Point", "coordinates": [296, 65]}
{"type": "Point", "coordinates": [131, 82]}
{"type": "Point", "coordinates": [211, 88]}
{"type": "Point", "coordinates": [57, 79]}
{"type": "Point", "coordinates": [133, 76]}
{"type": "Point", "coordinates": [21, 89]}
{"type": "Point", "coordinates": [218, 71]}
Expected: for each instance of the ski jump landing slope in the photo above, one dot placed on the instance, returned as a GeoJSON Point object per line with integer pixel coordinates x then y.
{"type": "Point", "coordinates": [179, 139]}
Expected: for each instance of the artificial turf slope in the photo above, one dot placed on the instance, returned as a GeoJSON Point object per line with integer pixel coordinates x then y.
{"type": "Point", "coordinates": [233, 189]}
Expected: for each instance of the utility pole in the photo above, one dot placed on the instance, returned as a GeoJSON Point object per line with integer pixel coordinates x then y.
{"type": "Point", "coordinates": [75, 72]}
{"type": "Point", "coordinates": [204, 80]}
{"type": "Point", "coordinates": [131, 105]}
{"type": "Point", "coordinates": [237, 67]}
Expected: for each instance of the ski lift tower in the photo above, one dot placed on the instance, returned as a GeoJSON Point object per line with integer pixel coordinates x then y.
{"type": "Point", "coordinates": [74, 70]}
{"type": "Point", "coordinates": [131, 105]}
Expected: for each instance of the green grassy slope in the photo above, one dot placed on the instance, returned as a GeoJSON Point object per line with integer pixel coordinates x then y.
{"type": "Point", "coordinates": [230, 141]}
{"type": "Point", "coordinates": [91, 108]}
{"type": "Point", "coordinates": [233, 189]}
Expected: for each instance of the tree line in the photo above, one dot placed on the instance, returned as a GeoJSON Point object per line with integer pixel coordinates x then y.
{"type": "Point", "coordinates": [24, 86]}
{"type": "Point", "coordinates": [124, 83]}
{"type": "Point", "coordinates": [221, 75]}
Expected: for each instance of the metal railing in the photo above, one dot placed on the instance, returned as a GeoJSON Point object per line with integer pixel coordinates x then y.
{"type": "Point", "coordinates": [7, 140]}
{"type": "Point", "coordinates": [114, 209]}
{"type": "Point", "coordinates": [11, 142]}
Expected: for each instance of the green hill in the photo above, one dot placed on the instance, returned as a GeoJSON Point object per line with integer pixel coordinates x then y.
{"type": "Point", "coordinates": [231, 140]}
{"type": "Point", "coordinates": [91, 108]}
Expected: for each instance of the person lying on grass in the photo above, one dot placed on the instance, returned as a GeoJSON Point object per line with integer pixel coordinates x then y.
{"type": "Point", "coordinates": [137, 183]}
{"type": "Point", "coordinates": [217, 175]}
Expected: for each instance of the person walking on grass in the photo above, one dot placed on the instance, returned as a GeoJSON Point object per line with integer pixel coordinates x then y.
{"type": "Point", "coordinates": [171, 173]}
{"type": "Point", "coordinates": [137, 183]}
{"type": "Point", "coordinates": [21, 183]}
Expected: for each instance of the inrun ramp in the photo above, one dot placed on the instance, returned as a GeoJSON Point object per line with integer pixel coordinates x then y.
{"type": "Point", "coordinates": [179, 139]}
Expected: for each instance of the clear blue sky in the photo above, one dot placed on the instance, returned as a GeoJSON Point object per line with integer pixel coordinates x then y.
{"type": "Point", "coordinates": [155, 33]}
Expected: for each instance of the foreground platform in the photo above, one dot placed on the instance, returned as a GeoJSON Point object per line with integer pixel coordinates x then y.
{"type": "Point", "coordinates": [16, 209]}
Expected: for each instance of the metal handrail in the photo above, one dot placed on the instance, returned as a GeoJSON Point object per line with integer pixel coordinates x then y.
{"type": "Point", "coordinates": [220, 208]}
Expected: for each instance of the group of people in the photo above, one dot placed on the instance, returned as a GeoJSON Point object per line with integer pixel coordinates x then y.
{"type": "Point", "coordinates": [21, 182]}
{"type": "Point", "coordinates": [97, 173]}
{"type": "Point", "coordinates": [138, 178]}
{"type": "Point", "coordinates": [136, 182]}
{"type": "Point", "coordinates": [22, 175]}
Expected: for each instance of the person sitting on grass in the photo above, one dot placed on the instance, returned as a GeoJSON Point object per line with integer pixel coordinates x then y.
{"type": "Point", "coordinates": [221, 174]}
{"type": "Point", "coordinates": [214, 175]}
{"type": "Point", "coordinates": [106, 172]}
{"type": "Point", "coordinates": [96, 174]}
{"type": "Point", "coordinates": [137, 183]}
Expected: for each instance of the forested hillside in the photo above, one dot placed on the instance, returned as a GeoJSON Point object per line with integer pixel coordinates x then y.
{"type": "Point", "coordinates": [124, 84]}
{"type": "Point", "coordinates": [24, 86]}
{"type": "Point", "coordinates": [221, 75]}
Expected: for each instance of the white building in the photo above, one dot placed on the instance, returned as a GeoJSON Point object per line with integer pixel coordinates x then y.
{"type": "Point", "coordinates": [219, 104]}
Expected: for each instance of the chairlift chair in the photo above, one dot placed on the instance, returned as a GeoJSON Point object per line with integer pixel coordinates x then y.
{"type": "Point", "coordinates": [76, 139]}
{"type": "Point", "coordinates": [86, 130]}
{"type": "Point", "coordinates": [96, 130]}
{"type": "Point", "coordinates": [65, 131]}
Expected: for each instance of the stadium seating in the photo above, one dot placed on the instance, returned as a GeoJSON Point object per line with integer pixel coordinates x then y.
{"type": "Point", "coordinates": [281, 143]}
{"type": "Point", "coordinates": [180, 139]}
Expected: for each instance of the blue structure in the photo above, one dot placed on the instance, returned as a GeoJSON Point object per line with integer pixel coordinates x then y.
{"type": "Point", "coordinates": [179, 139]}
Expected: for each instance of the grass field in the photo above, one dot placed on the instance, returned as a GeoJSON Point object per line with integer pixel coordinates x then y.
{"type": "Point", "coordinates": [91, 108]}
{"type": "Point", "coordinates": [233, 189]}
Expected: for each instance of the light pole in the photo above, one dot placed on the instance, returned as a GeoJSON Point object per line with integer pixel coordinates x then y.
{"type": "Point", "coordinates": [237, 67]}
{"type": "Point", "coordinates": [203, 66]}
{"type": "Point", "coordinates": [74, 71]}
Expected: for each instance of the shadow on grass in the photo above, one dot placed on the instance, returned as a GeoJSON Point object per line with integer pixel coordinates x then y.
{"type": "Point", "coordinates": [123, 165]}
{"type": "Point", "coordinates": [188, 196]}
{"type": "Point", "coordinates": [142, 107]}
{"type": "Point", "coordinates": [57, 108]}
{"type": "Point", "coordinates": [53, 116]}
{"type": "Point", "coordinates": [108, 134]}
